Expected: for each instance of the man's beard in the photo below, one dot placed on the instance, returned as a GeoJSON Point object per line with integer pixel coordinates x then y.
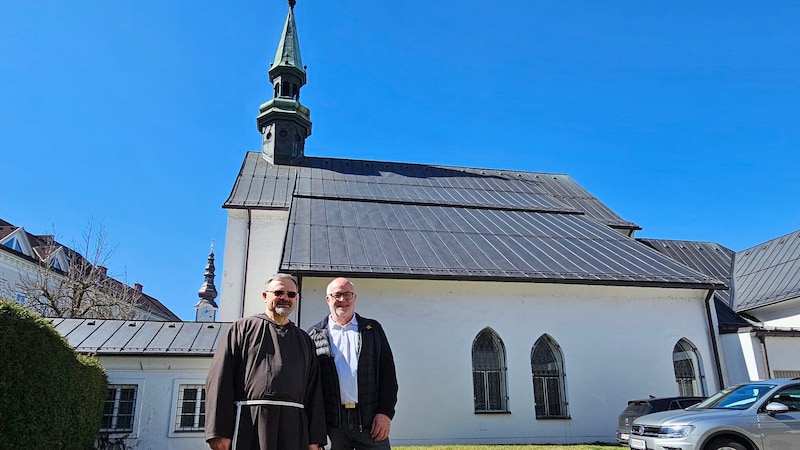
{"type": "Point", "coordinates": [283, 310]}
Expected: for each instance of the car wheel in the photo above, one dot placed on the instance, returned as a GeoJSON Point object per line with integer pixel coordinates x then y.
{"type": "Point", "coordinates": [724, 444]}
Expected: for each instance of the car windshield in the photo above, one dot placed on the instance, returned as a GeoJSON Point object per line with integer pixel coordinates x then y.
{"type": "Point", "coordinates": [736, 397]}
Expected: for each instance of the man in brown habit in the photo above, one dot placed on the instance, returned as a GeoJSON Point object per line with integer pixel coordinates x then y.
{"type": "Point", "coordinates": [263, 390]}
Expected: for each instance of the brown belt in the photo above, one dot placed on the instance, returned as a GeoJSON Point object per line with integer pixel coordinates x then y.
{"type": "Point", "coordinates": [350, 405]}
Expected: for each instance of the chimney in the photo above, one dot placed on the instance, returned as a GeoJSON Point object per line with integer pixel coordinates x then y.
{"type": "Point", "coordinates": [137, 287]}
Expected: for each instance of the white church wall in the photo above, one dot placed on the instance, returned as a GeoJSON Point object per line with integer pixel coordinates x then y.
{"type": "Point", "coordinates": [614, 342]}
{"type": "Point", "coordinates": [262, 231]}
{"type": "Point", "coordinates": [736, 365]}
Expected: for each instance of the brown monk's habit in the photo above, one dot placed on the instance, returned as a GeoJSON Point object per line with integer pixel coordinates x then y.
{"type": "Point", "coordinates": [259, 359]}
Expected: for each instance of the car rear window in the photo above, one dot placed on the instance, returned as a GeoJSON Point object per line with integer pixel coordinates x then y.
{"type": "Point", "coordinates": [637, 409]}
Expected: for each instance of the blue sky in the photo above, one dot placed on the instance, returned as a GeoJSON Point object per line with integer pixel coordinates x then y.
{"type": "Point", "coordinates": [683, 117]}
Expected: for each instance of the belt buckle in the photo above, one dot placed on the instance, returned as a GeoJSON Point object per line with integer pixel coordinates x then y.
{"type": "Point", "coordinates": [349, 405]}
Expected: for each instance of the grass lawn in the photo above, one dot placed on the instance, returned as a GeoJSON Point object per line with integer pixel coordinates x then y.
{"type": "Point", "coordinates": [515, 447]}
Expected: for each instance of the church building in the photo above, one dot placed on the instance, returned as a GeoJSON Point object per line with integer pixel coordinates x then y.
{"type": "Point", "coordinates": [519, 307]}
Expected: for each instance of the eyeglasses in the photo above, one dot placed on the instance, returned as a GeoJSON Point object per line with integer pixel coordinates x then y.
{"type": "Point", "coordinates": [279, 293]}
{"type": "Point", "coordinates": [343, 295]}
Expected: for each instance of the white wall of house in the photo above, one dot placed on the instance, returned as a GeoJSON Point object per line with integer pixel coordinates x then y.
{"type": "Point", "coordinates": [615, 343]}
{"type": "Point", "coordinates": [12, 270]}
{"type": "Point", "coordinates": [783, 353]}
{"type": "Point", "coordinates": [158, 379]}
{"type": "Point", "coordinates": [253, 248]}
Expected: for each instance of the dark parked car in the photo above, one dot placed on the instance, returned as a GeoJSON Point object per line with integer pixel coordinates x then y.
{"type": "Point", "coordinates": [638, 408]}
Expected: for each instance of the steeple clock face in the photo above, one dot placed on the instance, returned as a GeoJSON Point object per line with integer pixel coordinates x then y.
{"type": "Point", "coordinates": [205, 313]}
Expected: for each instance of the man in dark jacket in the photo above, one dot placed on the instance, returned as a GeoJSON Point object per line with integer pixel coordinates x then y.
{"type": "Point", "coordinates": [359, 382]}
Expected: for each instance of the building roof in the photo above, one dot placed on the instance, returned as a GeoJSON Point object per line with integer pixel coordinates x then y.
{"type": "Point", "coordinates": [768, 273]}
{"type": "Point", "coordinates": [706, 257]}
{"type": "Point", "coordinates": [388, 219]}
{"type": "Point", "coordinates": [710, 258]}
{"type": "Point", "coordinates": [138, 337]}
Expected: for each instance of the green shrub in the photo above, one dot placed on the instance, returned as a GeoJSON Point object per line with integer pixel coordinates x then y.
{"type": "Point", "coordinates": [50, 397]}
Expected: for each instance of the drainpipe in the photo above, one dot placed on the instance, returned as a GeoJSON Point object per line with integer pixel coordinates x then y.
{"type": "Point", "coordinates": [713, 334]}
{"type": "Point", "coordinates": [763, 339]}
{"type": "Point", "coordinates": [246, 259]}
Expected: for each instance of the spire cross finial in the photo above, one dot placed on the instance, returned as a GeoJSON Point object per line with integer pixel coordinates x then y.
{"type": "Point", "coordinates": [292, 3]}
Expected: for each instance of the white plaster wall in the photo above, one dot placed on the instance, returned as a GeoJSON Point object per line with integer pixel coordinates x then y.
{"type": "Point", "coordinates": [158, 379]}
{"type": "Point", "coordinates": [783, 352]}
{"type": "Point", "coordinates": [785, 314]}
{"type": "Point", "coordinates": [736, 368]}
{"type": "Point", "coordinates": [753, 356]}
{"type": "Point", "coordinates": [617, 344]}
{"type": "Point", "coordinates": [244, 273]}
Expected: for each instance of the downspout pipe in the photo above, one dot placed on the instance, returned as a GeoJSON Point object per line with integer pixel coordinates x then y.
{"type": "Point", "coordinates": [713, 335]}
{"type": "Point", "coordinates": [762, 338]}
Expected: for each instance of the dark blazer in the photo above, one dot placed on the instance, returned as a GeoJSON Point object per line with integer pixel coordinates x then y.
{"type": "Point", "coordinates": [377, 378]}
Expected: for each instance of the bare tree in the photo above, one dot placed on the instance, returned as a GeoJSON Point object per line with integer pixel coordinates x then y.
{"type": "Point", "coordinates": [81, 288]}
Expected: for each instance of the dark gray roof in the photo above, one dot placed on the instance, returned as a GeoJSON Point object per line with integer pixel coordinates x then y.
{"type": "Point", "coordinates": [710, 258]}
{"type": "Point", "coordinates": [431, 241]}
{"type": "Point", "coordinates": [386, 219]}
{"type": "Point", "coordinates": [261, 184]}
{"type": "Point", "coordinates": [120, 337]}
{"type": "Point", "coordinates": [767, 273]}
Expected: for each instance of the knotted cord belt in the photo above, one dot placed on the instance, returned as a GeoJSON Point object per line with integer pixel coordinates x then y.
{"type": "Point", "coordinates": [241, 403]}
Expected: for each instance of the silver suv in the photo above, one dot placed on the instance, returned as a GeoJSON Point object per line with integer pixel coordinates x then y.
{"type": "Point", "coordinates": [759, 415]}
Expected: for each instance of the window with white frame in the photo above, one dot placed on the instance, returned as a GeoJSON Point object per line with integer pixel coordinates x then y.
{"type": "Point", "coordinates": [191, 411]}
{"type": "Point", "coordinates": [688, 374]}
{"type": "Point", "coordinates": [118, 412]}
{"type": "Point", "coordinates": [549, 390]}
{"type": "Point", "coordinates": [489, 373]}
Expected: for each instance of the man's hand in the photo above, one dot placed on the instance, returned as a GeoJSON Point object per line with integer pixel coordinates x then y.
{"type": "Point", "coordinates": [220, 443]}
{"type": "Point", "coordinates": [380, 427]}
{"type": "Point", "coordinates": [313, 447]}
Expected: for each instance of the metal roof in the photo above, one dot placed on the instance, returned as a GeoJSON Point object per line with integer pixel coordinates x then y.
{"type": "Point", "coordinates": [706, 257]}
{"type": "Point", "coordinates": [710, 258]}
{"type": "Point", "coordinates": [433, 241]}
{"type": "Point", "coordinates": [261, 184]}
{"type": "Point", "coordinates": [138, 337]}
{"type": "Point", "coordinates": [388, 219]}
{"type": "Point", "coordinates": [767, 273]}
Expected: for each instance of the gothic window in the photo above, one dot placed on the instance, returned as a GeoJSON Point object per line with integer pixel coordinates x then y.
{"type": "Point", "coordinates": [547, 367]}
{"type": "Point", "coordinates": [688, 375]}
{"type": "Point", "coordinates": [489, 373]}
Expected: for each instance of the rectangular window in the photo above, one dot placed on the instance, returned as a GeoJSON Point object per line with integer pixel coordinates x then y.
{"type": "Point", "coordinates": [118, 411]}
{"type": "Point", "coordinates": [191, 411]}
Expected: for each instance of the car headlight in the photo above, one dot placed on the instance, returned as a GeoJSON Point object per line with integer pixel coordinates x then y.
{"type": "Point", "coordinates": [675, 431]}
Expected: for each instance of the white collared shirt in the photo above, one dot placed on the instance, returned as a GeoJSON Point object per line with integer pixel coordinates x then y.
{"type": "Point", "coordinates": [345, 346]}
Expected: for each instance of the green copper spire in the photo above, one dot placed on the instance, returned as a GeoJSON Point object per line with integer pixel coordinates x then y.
{"type": "Point", "coordinates": [288, 53]}
{"type": "Point", "coordinates": [283, 122]}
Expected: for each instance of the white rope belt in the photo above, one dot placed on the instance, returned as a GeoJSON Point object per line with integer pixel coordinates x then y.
{"type": "Point", "coordinates": [241, 403]}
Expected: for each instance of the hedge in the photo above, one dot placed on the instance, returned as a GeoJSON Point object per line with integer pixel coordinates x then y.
{"type": "Point", "coordinates": [50, 397]}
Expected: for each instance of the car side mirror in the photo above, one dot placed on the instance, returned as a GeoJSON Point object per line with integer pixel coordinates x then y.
{"type": "Point", "coordinates": [776, 408]}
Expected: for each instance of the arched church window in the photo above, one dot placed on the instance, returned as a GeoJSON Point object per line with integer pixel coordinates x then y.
{"type": "Point", "coordinates": [489, 372]}
{"type": "Point", "coordinates": [688, 370]}
{"type": "Point", "coordinates": [547, 367]}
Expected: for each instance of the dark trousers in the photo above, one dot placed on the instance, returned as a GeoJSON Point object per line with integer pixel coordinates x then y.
{"type": "Point", "coordinates": [352, 434]}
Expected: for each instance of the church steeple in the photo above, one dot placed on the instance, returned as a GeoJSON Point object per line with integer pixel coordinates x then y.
{"type": "Point", "coordinates": [206, 308]}
{"type": "Point", "coordinates": [283, 122]}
